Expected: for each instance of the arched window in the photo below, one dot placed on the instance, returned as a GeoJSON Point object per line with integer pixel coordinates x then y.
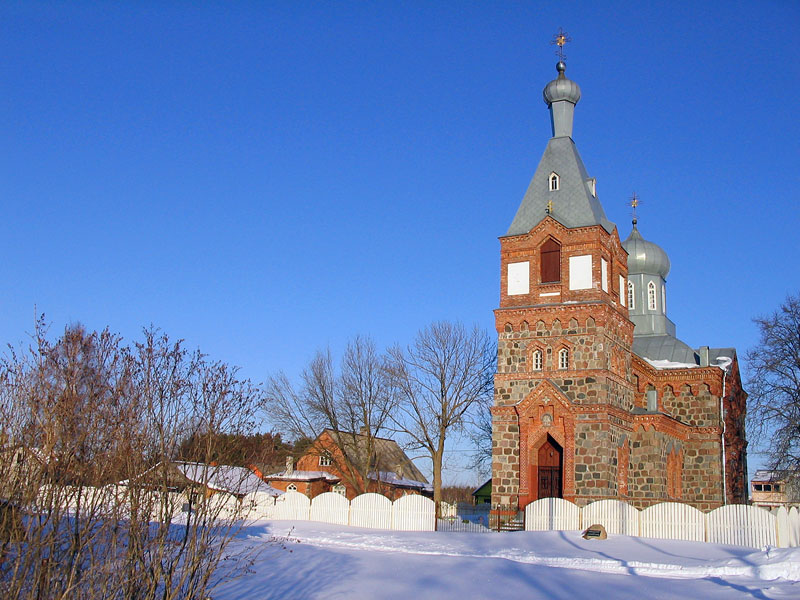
{"type": "Point", "coordinates": [554, 181]}
{"type": "Point", "coordinates": [325, 459]}
{"type": "Point", "coordinates": [651, 296]}
{"type": "Point", "coordinates": [631, 297]}
{"type": "Point", "coordinates": [339, 489]}
{"type": "Point", "coordinates": [563, 358]}
{"type": "Point", "coordinates": [550, 261]}
{"type": "Point", "coordinates": [652, 400]}
{"type": "Point", "coordinates": [291, 488]}
{"type": "Point", "coordinates": [537, 360]}
{"type": "Point", "coordinates": [663, 299]}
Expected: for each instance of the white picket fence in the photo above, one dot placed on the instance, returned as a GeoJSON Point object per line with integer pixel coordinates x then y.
{"type": "Point", "coordinates": [408, 513]}
{"type": "Point", "coordinates": [740, 525]}
{"type": "Point", "coordinates": [736, 524]}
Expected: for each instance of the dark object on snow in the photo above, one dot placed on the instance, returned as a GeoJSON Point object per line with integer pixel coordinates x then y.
{"type": "Point", "coordinates": [595, 532]}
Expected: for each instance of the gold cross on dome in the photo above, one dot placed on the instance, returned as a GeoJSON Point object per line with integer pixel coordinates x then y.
{"type": "Point", "coordinates": [634, 203]}
{"type": "Point", "coordinates": [559, 39]}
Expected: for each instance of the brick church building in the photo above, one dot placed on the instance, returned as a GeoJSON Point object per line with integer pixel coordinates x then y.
{"type": "Point", "coordinates": [595, 396]}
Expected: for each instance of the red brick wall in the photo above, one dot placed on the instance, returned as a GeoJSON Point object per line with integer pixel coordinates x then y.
{"type": "Point", "coordinates": [608, 452]}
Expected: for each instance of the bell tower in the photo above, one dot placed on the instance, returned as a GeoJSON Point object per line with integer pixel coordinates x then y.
{"type": "Point", "coordinates": [563, 382]}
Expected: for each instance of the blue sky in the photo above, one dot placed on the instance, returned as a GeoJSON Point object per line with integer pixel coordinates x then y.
{"type": "Point", "coordinates": [267, 179]}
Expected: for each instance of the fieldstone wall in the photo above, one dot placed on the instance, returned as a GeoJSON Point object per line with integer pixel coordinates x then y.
{"type": "Point", "coordinates": [702, 473]}
{"type": "Point", "coordinates": [505, 456]}
{"type": "Point", "coordinates": [595, 462]}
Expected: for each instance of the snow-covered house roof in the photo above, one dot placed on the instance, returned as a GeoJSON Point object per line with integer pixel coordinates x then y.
{"type": "Point", "coordinates": [234, 480]}
{"type": "Point", "coordinates": [304, 476]}
{"type": "Point", "coordinates": [220, 478]}
{"type": "Point", "coordinates": [401, 482]}
{"type": "Point", "coordinates": [766, 475]}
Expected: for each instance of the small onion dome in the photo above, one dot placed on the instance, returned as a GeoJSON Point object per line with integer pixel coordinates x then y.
{"type": "Point", "coordinates": [645, 257]}
{"type": "Point", "coordinates": [561, 88]}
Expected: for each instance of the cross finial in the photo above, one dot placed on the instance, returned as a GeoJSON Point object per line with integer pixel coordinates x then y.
{"type": "Point", "coordinates": [633, 204]}
{"type": "Point", "coordinates": [559, 39]}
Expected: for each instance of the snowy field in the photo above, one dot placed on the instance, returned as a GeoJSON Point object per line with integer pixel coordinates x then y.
{"type": "Point", "coordinates": [306, 559]}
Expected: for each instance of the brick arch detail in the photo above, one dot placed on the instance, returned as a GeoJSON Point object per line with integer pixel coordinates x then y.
{"type": "Point", "coordinates": [534, 345]}
{"type": "Point", "coordinates": [547, 398]}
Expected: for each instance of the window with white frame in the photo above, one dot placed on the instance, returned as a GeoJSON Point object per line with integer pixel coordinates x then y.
{"type": "Point", "coordinates": [651, 296]}
{"type": "Point", "coordinates": [631, 297]}
{"type": "Point", "coordinates": [554, 181]}
{"type": "Point", "coordinates": [622, 292]}
{"type": "Point", "coordinates": [340, 489]}
{"type": "Point", "coordinates": [563, 358]}
{"type": "Point", "coordinates": [537, 360]}
{"type": "Point", "coordinates": [291, 488]}
{"type": "Point", "coordinates": [664, 299]}
{"type": "Point", "coordinates": [325, 459]}
{"type": "Point", "coordinates": [604, 274]}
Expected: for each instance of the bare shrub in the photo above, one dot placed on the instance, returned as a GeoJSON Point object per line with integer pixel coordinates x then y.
{"type": "Point", "coordinates": [82, 418]}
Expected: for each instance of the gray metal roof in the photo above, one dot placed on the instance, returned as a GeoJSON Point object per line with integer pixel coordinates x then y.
{"type": "Point", "coordinates": [664, 347]}
{"type": "Point", "coordinates": [573, 203]}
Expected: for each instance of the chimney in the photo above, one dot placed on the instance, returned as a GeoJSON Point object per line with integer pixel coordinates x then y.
{"type": "Point", "coordinates": [703, 352]}
{"type": "Point", "coordinates": [289, 465]}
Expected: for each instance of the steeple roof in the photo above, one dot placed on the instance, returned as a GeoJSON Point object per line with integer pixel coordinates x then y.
{"type": "Point", "coordinates": [573, 203]}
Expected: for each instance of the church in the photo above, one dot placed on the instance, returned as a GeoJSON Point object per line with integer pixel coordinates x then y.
{"type": "Point", "coordinates": [595, 396]}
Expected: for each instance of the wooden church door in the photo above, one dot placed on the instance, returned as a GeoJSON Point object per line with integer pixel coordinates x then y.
{"type": "Point", "coordinates": [550, 469]}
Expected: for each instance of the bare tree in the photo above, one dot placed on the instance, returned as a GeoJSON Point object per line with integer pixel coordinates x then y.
{"type": "Point", "coordinates": [446, 371]}
{"type": "Point", "coordinates": [480, 435]}
{"type": "Point", "coordinates": [343, 413]}
{"type": "Point", "coordinates": [82, 412]}
{"type": "Point", "coordinates": [774, 386]}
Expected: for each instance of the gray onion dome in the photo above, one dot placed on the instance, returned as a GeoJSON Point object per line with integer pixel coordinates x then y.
{"type": "Point", "coordinates": [561, 88]}
{"type": "Point", "coordinates": [645, 257]}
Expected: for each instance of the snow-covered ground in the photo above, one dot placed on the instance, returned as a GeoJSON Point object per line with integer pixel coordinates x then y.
{"type": "Point", "coordinates": [303, 559]}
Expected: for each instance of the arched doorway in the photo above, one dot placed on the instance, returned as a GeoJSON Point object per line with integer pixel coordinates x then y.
{"type": "Point", "coordinates": [550, 470]}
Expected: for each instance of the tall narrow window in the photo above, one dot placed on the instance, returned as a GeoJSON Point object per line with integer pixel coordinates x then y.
{"type": "Point", "coordinates": [563, 358]}
{"type": "Point", "coordinates": [651, 296]}
{"type": "Point", "coordinates": [631, 296]}
{"type": "Point", "coordinates": [537, 360]}
{"type": "Point", "coordinates": [652, 400]}
{"type": "Point", "coordinates": [554, 181]}
{"type": "Point", "coordinates": [325, 459]}
{"type": "Point", "coordinates": [550, 261]}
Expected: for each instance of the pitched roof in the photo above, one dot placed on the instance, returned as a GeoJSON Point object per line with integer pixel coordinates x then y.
{"type": "Point", "coordinates": [402, 482]}
{"type": "Point", "coordinates": [304, 476]}
{"type": "Point", "coordinates": [767, 475]}
{"type": "Point", "coordinates": [664, 349]}
{"type": "Point", "coordinates": [483, 485]}
{"type": "Point", "coordinates": [234, 480]}
{"type": "Point", "coordinates": [389, 457]}
{"type": "Point", "coordinates": [574, 205]}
